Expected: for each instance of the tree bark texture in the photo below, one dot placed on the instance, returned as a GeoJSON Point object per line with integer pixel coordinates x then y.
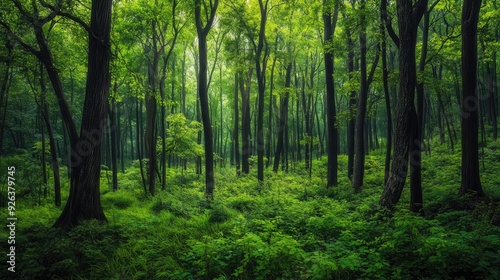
{"type": "Point", "coordinates": [470, 103]}
{"type": "Point", "coordinates": [84, 199]}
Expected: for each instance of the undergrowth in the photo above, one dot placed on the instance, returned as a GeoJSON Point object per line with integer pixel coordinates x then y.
{"type": "Point", "coordinates": [289, 227]}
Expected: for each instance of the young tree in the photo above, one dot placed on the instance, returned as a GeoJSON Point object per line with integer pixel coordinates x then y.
{"type": "Point", "coordinates": [202, 31]}
{"type": "Point", "coordinates": [330, 16]}
{"type": "Point", "coordinates": [261, 56]}
{"type": "Point", "coordinates": [361, 135]}
{"type": "Point", "coordinates": [470, 160]}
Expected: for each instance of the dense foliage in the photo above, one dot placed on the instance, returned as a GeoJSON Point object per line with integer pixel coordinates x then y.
{"type": "Point", "coordinates": [291, 227]}
{"type": "Point", "coordinates": [250, 139]}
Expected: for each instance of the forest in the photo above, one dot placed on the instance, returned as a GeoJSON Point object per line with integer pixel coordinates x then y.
{"type": "Point", "coordinates": [249, 139]}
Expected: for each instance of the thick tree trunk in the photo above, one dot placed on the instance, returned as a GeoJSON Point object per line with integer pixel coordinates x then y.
{"type": "Point", "coordinates": [470, 159]}
{"type": "Point", "coordinates": [84, 201]}
{"type": "Point", "coordinates": [408, 18]}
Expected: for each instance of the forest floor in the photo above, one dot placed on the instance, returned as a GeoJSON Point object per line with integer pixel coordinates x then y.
{"type": "Point", "coordinates": [290, 227]}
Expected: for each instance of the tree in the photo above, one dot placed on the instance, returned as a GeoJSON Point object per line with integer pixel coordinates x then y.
{"type": "Point", "coordinates": [261, 56]}
{"type": "Point", "coordinates": [202, 31]}
{"type": "Point", "coordinates": [470, 103]}
{"type": "Point", "coordinates": [330, 21]}
{"type": "Point", "coordinates": [409, 16]}
{"type": "Point", "coordinates": [359, 163]}
{"type": "Point", "coordinates": [283, 119]}
{"type": "Point", "coordinates": [385, 78]}
{"type": "Point", "coordinates": [84, 198]}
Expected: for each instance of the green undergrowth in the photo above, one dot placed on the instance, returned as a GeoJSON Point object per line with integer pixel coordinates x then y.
{"type": "Point", "coordinates": [289, 227]}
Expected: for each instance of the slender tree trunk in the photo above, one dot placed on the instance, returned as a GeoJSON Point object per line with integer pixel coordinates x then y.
{"type": "Point", "coordinates": [112, 130]}
{"type": "Point", "coordinates": [470, 159]}
{"type": "Point", "coordinates": [359, 163]}
{"type": "Point", "coordinates": [138, 114]}
{"type": "Point", "coordinates": [4, 92]}
{"type": "Point", "coordinates": [351, 123]}
{"type": "Point", "coordinates": [52, 144]}
{"type": "Point", "coordinates": [330, 22]}
{"type": "Point", "coordinates": [202, 32]}
{"type": "Point", "coordinates": [54, 165]}
{"type": "Point", "coordinates": [280, 145]}
{"type": "Point", "coordinates": [236, 126]}
{"type": "Point", "coordinates": [245, 121]}
{"type": "Point", "coordinates": [270, 116]}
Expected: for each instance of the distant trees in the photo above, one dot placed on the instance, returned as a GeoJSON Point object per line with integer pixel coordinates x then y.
{"type": "Point", "coordinates": [326, 93]}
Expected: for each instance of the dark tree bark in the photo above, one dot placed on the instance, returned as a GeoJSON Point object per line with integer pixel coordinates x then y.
{"type": "Point", "coordinates": [245, 121]}
{"type": "Point", "coordinates": [202, 32]}
{"type": "Point", "coordinates": [416, 196]}
{"type": "Point", "coordinates": [52, 144]}
{"type": "Point", "coordinates": [138, 133]}
{"type": "Point", "coordinates": [4, 90]}
{"type": "Point", "coordinates": [408, 19]}
{"type": "Point", "coordinates": [330, 21]}
{"type": "Point", "coordinates": [385, 80]}
{"type": "Point", "coordinates": [236, 126]}
{"type": "Point", "coordinates": [471, 182]}
{"type": "Point", "coordinates": [351, 123]}
{"type": "Point", "coordinates": [359, 163]}
{"type": "Point", "coordinates": [261, 56]}
{"type": "Point", "coordinates": [280, 145]}
{"type": "Point", "coordinates": [53, 154]}
{"type": "Point", "coordinates": [84, 198]}
{"type": "Point", "coordinates": [270, 116]}
{"type": "Point", "coordinates": [363, 128]}
{"type": "Point", "coordinates": [114, 142]}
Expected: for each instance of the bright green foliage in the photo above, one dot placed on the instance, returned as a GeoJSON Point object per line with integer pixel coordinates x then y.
{"type": "Point", "coordinates": [291, 227]}
{"type": "Point", "coordinates": [181, 137]}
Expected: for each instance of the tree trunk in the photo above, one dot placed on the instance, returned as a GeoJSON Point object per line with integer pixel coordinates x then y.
{"type": "Point", "coordinates": [236, 126]}
{"type": "Point", "coordinates": [408, 18]}
{"type": "Point", "coordinates": [245, 121]}
{"type": "Point", "coordinates": [84, 201]}
{"type": "Point", "coordinates": [112, 130]}
{"type": "Point", "coordinates": [4, 90]}
{"type": "Point", "coordinates": [351, 123]}
{"type": "Point", "coordinates": [470, 159]}
{"type": "Point", "coordinates": [280, 145]}
{"type": "Point", "coordinates": [359, 163]}
{"type": "Point", "coordinates": [270, 116]}
{"type": "Point", "coordinates": [202, 32]}
{"type": "Point", "coordinates": [330, 22]}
